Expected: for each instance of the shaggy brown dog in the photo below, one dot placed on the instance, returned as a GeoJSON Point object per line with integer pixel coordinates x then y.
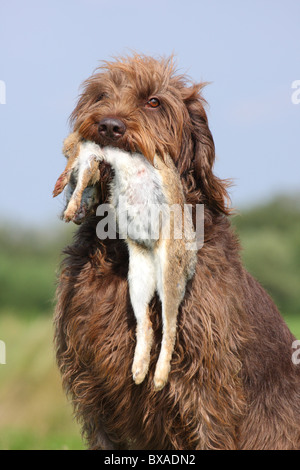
{"type": "Point", "coordinates": [232, 384]}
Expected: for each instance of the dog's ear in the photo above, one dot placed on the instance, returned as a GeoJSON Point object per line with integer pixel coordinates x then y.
{"type": "Point", "coordinates": [214, 190]}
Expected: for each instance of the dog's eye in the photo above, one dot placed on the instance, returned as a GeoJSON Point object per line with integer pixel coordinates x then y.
{"type": "Point", "coordinates": [100, 97]}
{"type": "Point", "coordinates": [153, 103]}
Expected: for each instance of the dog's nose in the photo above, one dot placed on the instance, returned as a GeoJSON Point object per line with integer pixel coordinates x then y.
{"type": "Point", "coordinates": [111, 128]}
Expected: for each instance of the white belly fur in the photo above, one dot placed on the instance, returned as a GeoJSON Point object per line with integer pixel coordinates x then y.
{"type": "Point", "coordinates": [137, 189]}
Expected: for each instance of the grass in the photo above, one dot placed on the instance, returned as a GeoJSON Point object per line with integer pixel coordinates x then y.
{"type": "Point", "coordinates": [34, 412]}
{"type": "Point", "coordinates": [293, 323]}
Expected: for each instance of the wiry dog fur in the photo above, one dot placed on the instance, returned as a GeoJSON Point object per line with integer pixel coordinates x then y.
{"type": "Point", "coordinates": [232, 383]}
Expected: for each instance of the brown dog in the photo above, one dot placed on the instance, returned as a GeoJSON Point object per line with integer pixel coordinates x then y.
{"type": "Point", "coordinates": [232, 383]}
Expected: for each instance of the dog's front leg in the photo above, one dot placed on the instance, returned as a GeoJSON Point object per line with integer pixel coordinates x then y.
{"type": "Point", "coordinates": [142, 283]}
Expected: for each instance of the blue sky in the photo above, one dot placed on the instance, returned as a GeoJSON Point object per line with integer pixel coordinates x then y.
{"type": "Point", "coordinates": [248, 50]}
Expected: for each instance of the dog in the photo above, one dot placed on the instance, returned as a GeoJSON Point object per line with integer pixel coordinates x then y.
{"type": "Point", "coordinates": [157, 261]}
{"type": "Point", "coordinates": [232, 382]}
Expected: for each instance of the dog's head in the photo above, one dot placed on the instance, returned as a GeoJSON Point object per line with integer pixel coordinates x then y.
{"type": "Point", "coordinates": [140, 104]}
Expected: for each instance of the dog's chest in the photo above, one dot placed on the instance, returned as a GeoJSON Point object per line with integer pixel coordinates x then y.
{"type": "Point", "coordinates": [136, 194]}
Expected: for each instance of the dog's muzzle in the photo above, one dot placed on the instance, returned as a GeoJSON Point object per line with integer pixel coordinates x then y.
{"type": "Point", "coordinates": [111, 129]}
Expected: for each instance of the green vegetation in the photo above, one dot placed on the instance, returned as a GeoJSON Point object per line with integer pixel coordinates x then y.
{"type": "Point", "coordinates": [270, 238]}
{"type": "Point", "coordinates": [28, 263]}
{"type": "Point", "coordinates": [34, 413]}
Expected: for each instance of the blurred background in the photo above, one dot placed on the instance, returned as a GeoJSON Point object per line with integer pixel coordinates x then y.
{"type": "Point", "coordinates": [249, 52]}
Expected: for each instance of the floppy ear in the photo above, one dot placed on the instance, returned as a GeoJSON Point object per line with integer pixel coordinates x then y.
{"type": "Point", "coordinates": [214, 190]}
